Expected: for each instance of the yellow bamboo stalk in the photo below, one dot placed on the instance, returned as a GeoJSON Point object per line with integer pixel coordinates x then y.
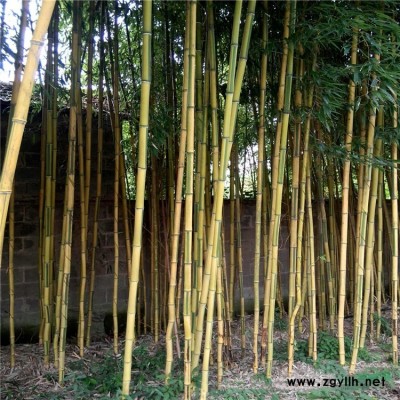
{"type": "Point", "coordinates": [213, 235]}
{"type": "Point", "coordinates": [299, 287]}
{"type": "Point", "coordinates": [198, 134]}
{"type": "Point", "coordinates": [275, 227]}
{"type": "Point", "coordinates": [220, 322]}
{"type": "Point", "coordinates": [14, 97]}
{"type": "Point", "coordinates": [69, 195]}
{"type": "Point", "coordinates": [370, 235]}
{"type": "Point", "coordinates": [140, 191]}
{"type": "Point", "coordinates": [20, 114]}
{"type": "Point", "coordinates": [238, 249]}
{"type": "Point", "coordinates": [231, 106]}
{"type": "Point", "coordinates": [154, 249]}
{"type": "Point", "coordinates": [172, 308]}
{"type": "Point", "coordinates": [260, 185]}
{"type": "Point", "coordinates": [48, 223]}
{"type": "Point", "coordinates": [379, 256]}
{"type": "Point", "coordinates": [187, 275]}
{"type": "Point", "coordinates": [395, 234]}
{"type": "Point", "coordinates": [275, 164]}
{"type": "Point", "coordinates": [311, 272]}
{"type": "Point", "coordinates": [362, 241]}
{"type": "Point", "coordinates": [345, 205]}
{"type": "Point", "coordinates": [295, 187]}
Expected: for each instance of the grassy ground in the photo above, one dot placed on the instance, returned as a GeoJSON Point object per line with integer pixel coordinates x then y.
{"type": "Point", "coordinates": [99, 374]}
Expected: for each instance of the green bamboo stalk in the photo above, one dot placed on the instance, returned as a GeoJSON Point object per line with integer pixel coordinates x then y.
{"type": "Point", "coordinates": [100, 134]}
{"type": "Point", "coordinates": [83, 222]}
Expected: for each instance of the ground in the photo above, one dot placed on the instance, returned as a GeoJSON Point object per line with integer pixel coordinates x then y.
{"type": "Point", "coordinates": [98, 374]}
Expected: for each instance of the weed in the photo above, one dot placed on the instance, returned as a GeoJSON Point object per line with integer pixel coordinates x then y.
{"type": "Point", "coordinates": [386, 327]}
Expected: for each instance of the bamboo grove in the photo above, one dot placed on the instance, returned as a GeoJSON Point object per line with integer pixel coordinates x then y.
{"type": "Point", "coordinates": [307, 91]}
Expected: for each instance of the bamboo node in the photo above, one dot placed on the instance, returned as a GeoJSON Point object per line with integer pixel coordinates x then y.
{"type": "Point", "coordinates": [37, 42]}
{"type": "Point", "coordinates": [19, 121]}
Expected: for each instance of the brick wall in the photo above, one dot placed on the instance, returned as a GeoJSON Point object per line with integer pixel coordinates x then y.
{"type": "Point", "coordinates": [27, 185]}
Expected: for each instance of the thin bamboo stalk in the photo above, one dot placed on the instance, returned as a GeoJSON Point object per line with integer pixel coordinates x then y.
{"type": "Point", "coordinates": [172, 303]}
{"type": "Point", "coordinates": [260, 185]}
{"type": "Point", "coordinates": [83, 222]}
{"type": "Point", "coordinates": [395, 234]}
{"type": "Point", "coordinates": [100, 134]}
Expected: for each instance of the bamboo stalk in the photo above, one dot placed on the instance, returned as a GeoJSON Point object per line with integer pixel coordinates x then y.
{"type": "Point", "coordinates": [11, 214]}
{"type": "Point", "coordinates": [299, 285]}
{"type": "Point", "coordinates": [69, 193]}
{"type": "Point", "coordinates": [260, 185]}
{"type": "Point", "coordinates": [140, 189]}
{"type": "Point", "coordinates": [100, 134]}
{"type": "Point", "coordinates": [395, 234]}
{"type": "Point", "coordinates": [275, 227]}
{"type": "Point", "coordinates": [363, 232]}
{"type": "Point", "coordinates": [81, 172]}
{"type": "Point", "coordinates": [172, 303]}
{"type": "Point", "coordinates": [231, 105]}
{"type": "Point", "coordinates": [20, 114]}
